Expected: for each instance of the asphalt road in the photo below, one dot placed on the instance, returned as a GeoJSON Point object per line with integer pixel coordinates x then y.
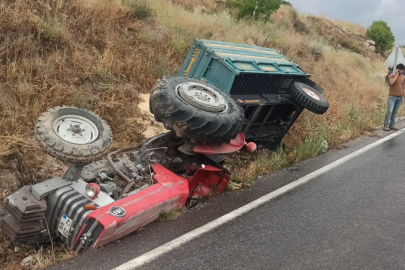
{"type": "Point", "coordinates": [351, 217]}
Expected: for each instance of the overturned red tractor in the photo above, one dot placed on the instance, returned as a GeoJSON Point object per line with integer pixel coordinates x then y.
{"type": "Point", "coordinates": [103, 201]}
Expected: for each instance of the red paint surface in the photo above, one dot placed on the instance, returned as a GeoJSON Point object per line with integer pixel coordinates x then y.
{"type": "Point", "coordinates": [224, 148]}
{"type": "Point", "coordinates": [170, 192]}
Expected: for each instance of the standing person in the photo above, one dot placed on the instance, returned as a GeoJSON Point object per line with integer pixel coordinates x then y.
{"type": "Point", "coordinates": [396, 95]}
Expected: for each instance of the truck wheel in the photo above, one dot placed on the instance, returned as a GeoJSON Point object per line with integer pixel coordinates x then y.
{"type": "Point", "coordinates": [196, 110]}
{"type": "Point", "coordinates": [308, 97]}
{"type": "Point", "coordinates": [72, 134]}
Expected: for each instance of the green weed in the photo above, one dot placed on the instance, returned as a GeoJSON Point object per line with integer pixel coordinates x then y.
{"type": "Point", "coordinates": [352, 113]}
{"type": "Point", "coordinates": [355, 48]}
{"type": "Point", "coordinates": [49, 31]}
{"type": "Point", "coordinates": [140, 9]}
{"type": "Point", "coordinates": [172, 215]}
{"type": "Point", "coordinates": [345, 43]}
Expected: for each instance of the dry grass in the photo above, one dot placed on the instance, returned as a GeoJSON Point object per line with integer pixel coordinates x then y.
{"type": "Point", "coordinates": [201, 5]}
{"type": "Point", "coordinates": [246, 167]}
{"type": "Point", "coordinates": [10, 142]}
{"type": "Point", "coordinates": [351, 27]}
{"type": "Point", "coordinates": [101, 54]}
{"type": "Point", "coordinates": [42, 257]}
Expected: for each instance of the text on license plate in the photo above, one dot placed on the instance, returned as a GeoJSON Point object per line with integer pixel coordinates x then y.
{"type": "Point", "coordinates": [65, 224]}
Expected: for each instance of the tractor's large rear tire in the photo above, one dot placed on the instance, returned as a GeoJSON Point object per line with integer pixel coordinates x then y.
{"type": "Point", "coordinates": [72, 134]}
{"type": "Point", "coordinates": [308, 97]}
{"type": "Point", "coordinates": [196, 110]}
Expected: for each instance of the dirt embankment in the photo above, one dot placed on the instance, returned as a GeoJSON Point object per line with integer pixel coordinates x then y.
{"type": "Point", "coordinates": [152, 127]}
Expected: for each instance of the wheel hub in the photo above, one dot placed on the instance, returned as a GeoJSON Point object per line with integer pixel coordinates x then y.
{"type": "Point", "coordinates": [202, 97]}
{"type": "Point", "coordinates": [311, 93]}
{"type": "Point", "coordinates": [75, 129]}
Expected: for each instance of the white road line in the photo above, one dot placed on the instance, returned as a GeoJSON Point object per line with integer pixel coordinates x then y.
{"type": "Point", "coordinates": [155, 253]}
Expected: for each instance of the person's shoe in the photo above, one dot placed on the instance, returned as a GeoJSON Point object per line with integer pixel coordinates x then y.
{"type": "Point", "coordinates": [386, 129]}
{"type": "Point", "coordinates": [393, 128]}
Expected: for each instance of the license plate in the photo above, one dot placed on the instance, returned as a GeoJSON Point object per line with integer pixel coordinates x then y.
{"type": "Point", "coordinates": [65, 223]}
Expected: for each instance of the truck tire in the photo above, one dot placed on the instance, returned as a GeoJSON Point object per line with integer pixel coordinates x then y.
{"type": "Point", "coordinates": [72, 134]}
{"type": "Point", "coordinates": [196, 110]}
{"type": "Point", "coordinates": [307, 97]}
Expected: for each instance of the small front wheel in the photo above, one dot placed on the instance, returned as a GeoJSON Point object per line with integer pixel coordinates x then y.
{"type": "Point", "coordinates": [72, 134]}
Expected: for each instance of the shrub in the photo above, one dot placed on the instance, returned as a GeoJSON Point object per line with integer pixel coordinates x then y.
{"type": "Point", "coordinates": [381, 33]}
{"type": "Point", "coordinates": [140, 9]}
{"type": "Point", "coordinates": [254, 9]}
{"type": "Point", "coordinates": [317, 48]}
{"type": "Point", "coordinates": [355, 48]}
{"type": "Point", "coordinates": [345, 43]}
{"type": "Point", "coordinates": [48, 31]}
